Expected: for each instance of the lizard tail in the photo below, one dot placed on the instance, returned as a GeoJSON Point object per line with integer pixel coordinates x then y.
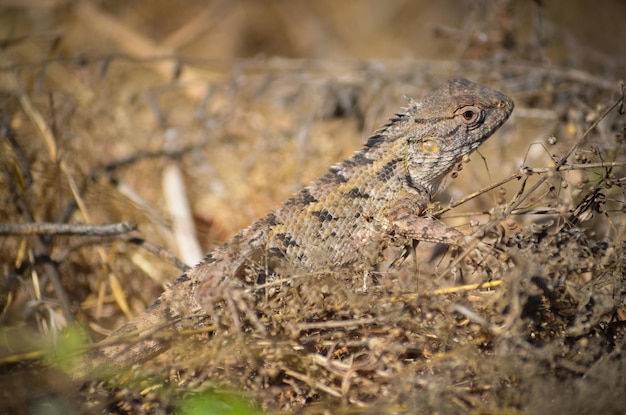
{"type": "Point", "coordinates": [139, 340]}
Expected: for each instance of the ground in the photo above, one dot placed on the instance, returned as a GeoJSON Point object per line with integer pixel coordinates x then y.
{"type": "Point", "coordinates": [238, 105]}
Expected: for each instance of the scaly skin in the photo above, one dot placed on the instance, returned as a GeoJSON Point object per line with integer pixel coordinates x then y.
{"type": "Point", "coordinates": [344, 220]}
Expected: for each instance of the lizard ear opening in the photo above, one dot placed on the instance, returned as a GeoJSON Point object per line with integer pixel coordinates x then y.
{"type": "Point", "coordinates": [429, 146]}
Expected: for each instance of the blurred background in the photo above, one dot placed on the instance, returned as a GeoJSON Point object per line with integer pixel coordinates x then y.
{"type": "Point", "coordinates": [582, 33]}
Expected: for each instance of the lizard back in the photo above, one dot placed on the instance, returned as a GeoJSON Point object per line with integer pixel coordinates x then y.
{"type": "Point", "coordinates": [342, 219]}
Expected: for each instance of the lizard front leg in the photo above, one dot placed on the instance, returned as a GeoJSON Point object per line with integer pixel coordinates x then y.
{"type": "Point", "coordinates": [406, 217]}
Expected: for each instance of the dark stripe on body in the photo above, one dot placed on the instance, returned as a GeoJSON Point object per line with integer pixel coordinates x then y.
{"type": "Point", "coordinates": [286, 240]}
{"type": "Point", "coordinates": [323, 215]}
{"type": "Point", "coordinates": [334, 176]}
{"type": "Point", "coordinates": [271, 219]}
{"type": "Point", "coordinates": [374, 140]}
{"type": "Point", "coordinates": [429, 121]}
{"type": "Point", "coordinates": [303, 198]}
{"type": "Point", "coordinates": [388, 170]}
{"type": "Point", "coordinates": [355, 193]}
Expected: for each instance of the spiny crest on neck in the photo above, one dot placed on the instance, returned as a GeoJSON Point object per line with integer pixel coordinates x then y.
{"type": "Point", "coordinates": [387, 131]}
{"type": "Point", "coordinates": [379, 142]}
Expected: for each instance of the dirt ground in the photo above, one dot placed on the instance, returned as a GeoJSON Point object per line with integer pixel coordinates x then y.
{"type": "Point", "coordinates": [110, 109]}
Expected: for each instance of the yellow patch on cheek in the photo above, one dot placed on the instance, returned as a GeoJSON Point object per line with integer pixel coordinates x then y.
{"type": "Point", "coordinates": [430, 146]}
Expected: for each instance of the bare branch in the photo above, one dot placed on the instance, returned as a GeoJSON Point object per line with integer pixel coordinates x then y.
{"type": "Point", "coordinates": [62, 229]}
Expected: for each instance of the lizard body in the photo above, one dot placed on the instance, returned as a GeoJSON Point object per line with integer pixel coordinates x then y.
{"type": "Point", "coordinates": [344, 220]}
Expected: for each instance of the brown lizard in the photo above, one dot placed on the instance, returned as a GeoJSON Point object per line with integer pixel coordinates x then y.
{"type": "Point", "coordinates": [344, 220]}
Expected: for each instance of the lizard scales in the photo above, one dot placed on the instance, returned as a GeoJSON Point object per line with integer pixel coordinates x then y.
{"type": "Point", "coordinates": [344, 220]}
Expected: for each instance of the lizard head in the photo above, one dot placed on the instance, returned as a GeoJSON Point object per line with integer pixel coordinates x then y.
{"type": "Point", "coordinates": [447, 125]}
{"type": "Point", "coordinates": [422, 144]}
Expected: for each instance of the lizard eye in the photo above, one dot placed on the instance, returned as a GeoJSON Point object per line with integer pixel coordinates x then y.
{"type": "Point", "coordinates": [429, 146]}
{"type": "Point", "coordinates": [470, 115]}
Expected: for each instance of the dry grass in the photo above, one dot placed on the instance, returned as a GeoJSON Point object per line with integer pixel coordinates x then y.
{"type": "Point", "coordinates": [530, 322]}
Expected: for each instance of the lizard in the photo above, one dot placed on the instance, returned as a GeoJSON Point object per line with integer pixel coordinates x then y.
{"type": "Point", "coordinates": [344, 220]}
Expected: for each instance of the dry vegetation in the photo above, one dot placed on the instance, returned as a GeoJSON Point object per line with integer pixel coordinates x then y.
{"type": "Point", "coordinates": [101, 101]}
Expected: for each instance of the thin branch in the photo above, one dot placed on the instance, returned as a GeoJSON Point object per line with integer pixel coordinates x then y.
{"type": "Point", "coordinates": [514, 176]}
{"type": "Point", "coordinates": [519, 175]}
{"type": "Point", "coordinates": [160, 253]}
{"type": "Point", "coordinates": [62, 229]}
